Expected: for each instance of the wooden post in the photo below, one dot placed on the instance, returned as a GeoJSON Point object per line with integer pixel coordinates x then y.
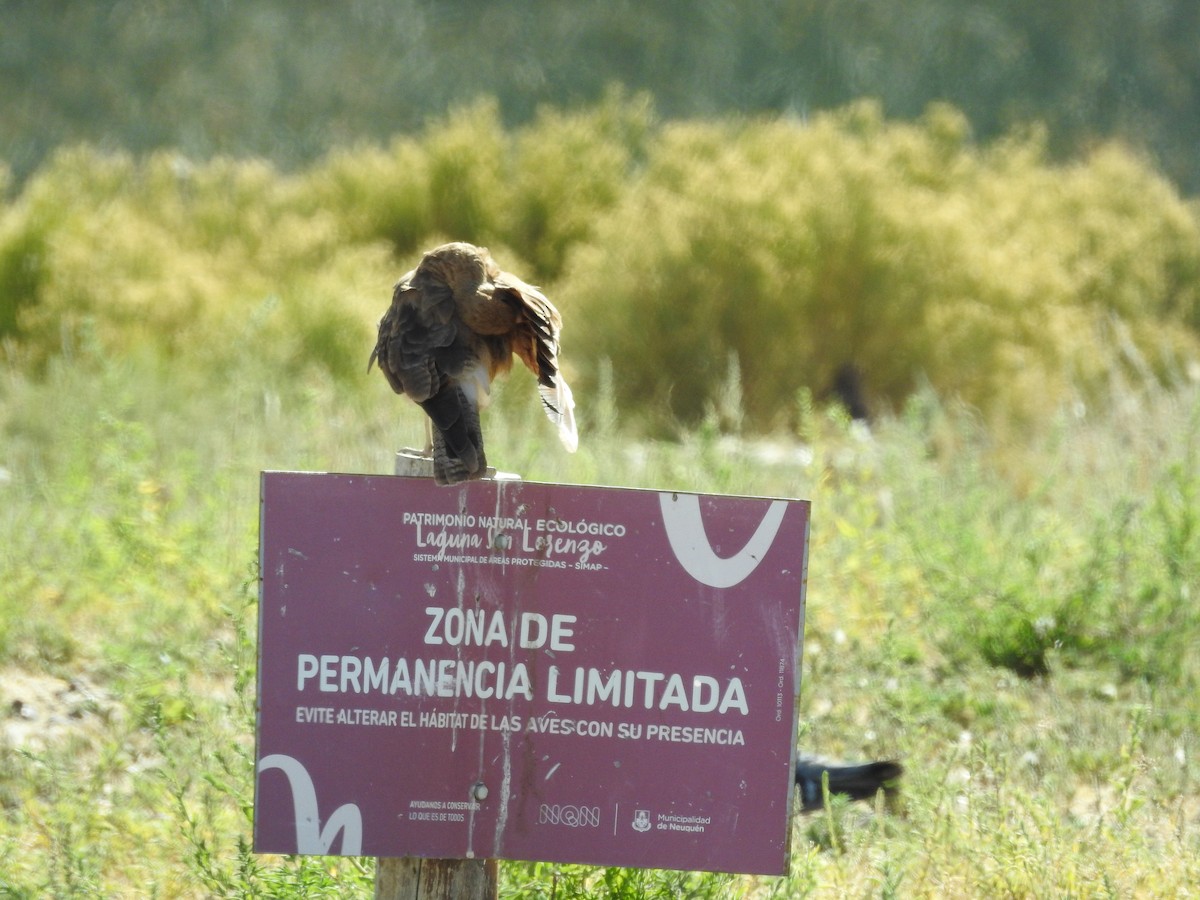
{"type": "Point", "coordinates": [435, 879]}
{"type": "Point", "coordinates": [409, 878]}
{"type": "Point", "coordinates": [415, 464]}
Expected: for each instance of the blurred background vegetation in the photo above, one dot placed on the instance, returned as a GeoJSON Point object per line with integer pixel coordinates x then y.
{"type": "Point", "coordinates": [699, 185]}
{"type": "Point", "coordinates": [289, 79]}
{"type": "Point", "coordinates": [689, 257]}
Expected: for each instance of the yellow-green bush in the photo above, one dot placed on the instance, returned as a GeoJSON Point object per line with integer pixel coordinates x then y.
{"type": "Point", "coordinates": [537, 190]}
{"type": "Point", "coordinates": [199, 260]}
{"type": "Point", "coordinates": [377, 193]}
{"type": "Point", "coordinates": [903, 249]}
{"type": "Point", "coordinates": [793, 248]}
{"type": "Point", "coordinates": [568, 171]}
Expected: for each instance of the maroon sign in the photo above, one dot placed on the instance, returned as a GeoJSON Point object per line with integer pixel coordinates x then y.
{"type": "Point", "coordinates": [527, 671]}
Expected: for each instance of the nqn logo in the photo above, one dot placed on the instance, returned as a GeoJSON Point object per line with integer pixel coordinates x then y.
{"type": "Point", "coordinates": [571, 816]}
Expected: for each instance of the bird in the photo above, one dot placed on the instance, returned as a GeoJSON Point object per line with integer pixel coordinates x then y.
{"type": "Point", "coordinates": [454, 324]}
{"type": "Point", "coordinates": [858, 781]}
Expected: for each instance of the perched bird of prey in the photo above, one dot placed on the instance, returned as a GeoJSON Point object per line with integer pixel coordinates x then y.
{"type": "Point", "coordinates": [455, 323]}
{"type": "Point", "coordinates": [861, 781]}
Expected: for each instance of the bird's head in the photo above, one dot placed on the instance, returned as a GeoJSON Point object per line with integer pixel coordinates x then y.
{"type": "Point", "coordinates": [463, 267]}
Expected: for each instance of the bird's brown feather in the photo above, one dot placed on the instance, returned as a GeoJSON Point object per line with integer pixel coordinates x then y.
{"type": "Point", "coordinates": [454, 324]}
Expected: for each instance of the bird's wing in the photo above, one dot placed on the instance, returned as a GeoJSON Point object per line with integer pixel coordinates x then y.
{"type": "Point", "coordinates": [420, 344]}
{"type": "Point", "coordinates": [534, 341]}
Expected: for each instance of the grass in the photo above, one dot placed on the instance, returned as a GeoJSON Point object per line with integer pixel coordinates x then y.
{"type": "Point", "coordinates": [1016, 623]}
{"type": "Point", "coordinates": [1002, 594]}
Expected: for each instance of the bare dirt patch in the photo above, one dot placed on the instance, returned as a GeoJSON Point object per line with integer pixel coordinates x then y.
{"type": "Point", "coordinates": [39, 711]}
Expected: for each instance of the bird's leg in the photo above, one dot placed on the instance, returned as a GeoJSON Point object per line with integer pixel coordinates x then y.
{"type": "Point", "coordinates": [428, 437]}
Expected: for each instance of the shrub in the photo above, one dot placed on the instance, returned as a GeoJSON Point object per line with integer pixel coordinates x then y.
{"type": "Point", "coordinates": [902, 249]}
{"type": "Point", "coordinates": [797, 250]}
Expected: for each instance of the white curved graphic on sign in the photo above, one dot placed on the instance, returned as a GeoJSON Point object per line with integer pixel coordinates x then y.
{"type": "Point", "coordinates": [311, 839]}
{"type": "Point", "coordinates": [685, 531]}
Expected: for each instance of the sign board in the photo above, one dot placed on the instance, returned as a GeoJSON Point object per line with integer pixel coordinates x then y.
{"type": "Point", "coordinates": [527, 671]}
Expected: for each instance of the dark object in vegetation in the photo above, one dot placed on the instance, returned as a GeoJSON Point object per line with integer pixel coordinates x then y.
{"type": "Point", "coordinates": [455, 323]}
{"type": "Point", "coordinates": [849, 390]}
{"type": "Point", "coordinates": [858, 782]}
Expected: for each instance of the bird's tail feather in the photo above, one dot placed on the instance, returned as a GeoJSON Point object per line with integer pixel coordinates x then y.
{"type": "Point", "coordinates": [858, 782]}
{"type": "Point", "coordinates": [559, 404]}
{"type": "Point", "coordinates": [457, 438]}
